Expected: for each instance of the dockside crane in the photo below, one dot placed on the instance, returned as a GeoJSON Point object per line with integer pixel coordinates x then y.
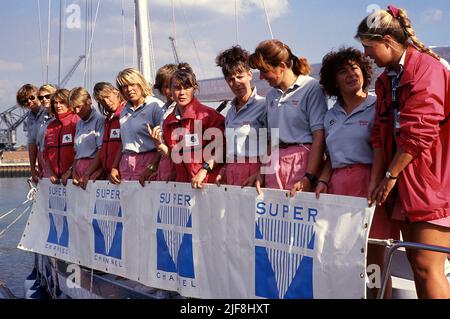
{"type": "Point", "coordinates": [9, 122]}
{"type": "Point", "coordinates": [72, 71]}
{"type": "Point", "coordinates": [174, 50]}
{"type": "Point", "coordinates": [11, 119]}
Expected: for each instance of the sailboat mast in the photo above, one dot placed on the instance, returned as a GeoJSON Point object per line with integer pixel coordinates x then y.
{"type": "Point", "coordinates": [143, 39]}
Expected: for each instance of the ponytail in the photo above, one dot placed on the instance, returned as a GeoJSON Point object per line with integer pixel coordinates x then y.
{"type": "Point", "coordinates": [271, 53]}
{"type": "Point", "coordinates": [301, 66]}
{"type": "Point", "coordinates": [405, 24]}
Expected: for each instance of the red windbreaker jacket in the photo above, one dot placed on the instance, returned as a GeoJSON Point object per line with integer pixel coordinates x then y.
{"type": "Point", "coordinates": [112, 143]}
{"type": "Point", "coordinates": [59, 142]}
{"type": "Point", "coordinates": [190, 141]}
{"type": "Point", "coordinates": [424, 132]}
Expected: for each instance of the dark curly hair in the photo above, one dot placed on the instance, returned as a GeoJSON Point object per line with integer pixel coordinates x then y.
{"type": "Point", "coordinates": [233, 60]}
{"type": "Point", "coordinates": [333, 61]}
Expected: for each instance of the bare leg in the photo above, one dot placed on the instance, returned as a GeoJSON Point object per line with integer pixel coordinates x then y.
{"type": "Point", "coordinates": [428, 266]}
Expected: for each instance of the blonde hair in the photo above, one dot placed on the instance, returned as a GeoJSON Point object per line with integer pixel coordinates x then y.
{"type": "Point", "coordinates": [132, 76]}
{"type": "Point", "coordinates": [78, 95]}
{"type": "Point", "coordinates": [394, 23]}
{"type": "Point", "coordinates": [271, 53]}
{"type": "Point", "coordinates": [105, 87]}
{"type": "Point", "coordinates": [48, 88]}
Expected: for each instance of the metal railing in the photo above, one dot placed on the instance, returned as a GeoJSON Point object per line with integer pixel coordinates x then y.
{"type": "Point", "coordinates": [392, 246]}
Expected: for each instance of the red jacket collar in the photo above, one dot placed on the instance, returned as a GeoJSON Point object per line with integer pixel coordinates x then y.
{"type": "Point", "coordinates": [190, 112]}
{"type": "Point", "coordinates": [119, 109]}
{"type": "Point", "coordinates": [64, 115]}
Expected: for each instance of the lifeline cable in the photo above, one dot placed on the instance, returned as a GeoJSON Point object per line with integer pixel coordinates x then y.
{"type": "Point", "coordinates": [14, 221]}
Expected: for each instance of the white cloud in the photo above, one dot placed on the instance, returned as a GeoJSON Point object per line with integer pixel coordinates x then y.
{"type": "Point", "coordinates": [8, 90]}
{"type": "Point", "coordinates": [432, 15]}
{"type": "Point", "coordinates": [275, 8]}
{"type": "Point", "coordinates": [7, 66]}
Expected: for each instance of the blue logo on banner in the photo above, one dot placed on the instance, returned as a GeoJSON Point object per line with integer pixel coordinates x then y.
{"type": "Point", "coordinates": [281, 272]}
{"type": "Point", "coordinates": [59, 230]}
{"type": "Point", "coordinates": [174, 247]}
{"type": "Point", "coordinates": [108, 232]}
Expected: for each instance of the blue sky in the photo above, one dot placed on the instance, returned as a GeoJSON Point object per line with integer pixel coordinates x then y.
{"type": "Point", "coordinates": [311, 28]}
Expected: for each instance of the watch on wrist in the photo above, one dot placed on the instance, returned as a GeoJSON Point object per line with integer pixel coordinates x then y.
{"type": "Point", "coordinates": [151, 168]}
{"type": "Point", "coordinates": [207, 167]}
{"type": "Point", "coordinates": [312, 179]}
{"type": "Point", "coordinates": [390, 176]}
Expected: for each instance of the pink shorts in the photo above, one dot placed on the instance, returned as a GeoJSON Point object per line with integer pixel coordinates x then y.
{"type": "Point", "coordinates": [132, 165]}
{"type": "Point", "coordinates": [166, 169]}
{"type": "Point", "coordinates": [82, 165]}
{"type": "Point", "coordinates": [347, 181]}
{"type": "Point", "coordinates": [400, 215]}
{"type": "Point", "coordinates": [237, 173]}
{"type": "Point", "coordinates": [290, 167]}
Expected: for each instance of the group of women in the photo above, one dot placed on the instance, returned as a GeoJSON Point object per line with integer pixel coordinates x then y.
{"type": "Point", "coordinates": [391, 147]}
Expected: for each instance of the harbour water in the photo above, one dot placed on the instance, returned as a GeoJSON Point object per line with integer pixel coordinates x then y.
{"type": "Point", "coordinates": [15, 264]}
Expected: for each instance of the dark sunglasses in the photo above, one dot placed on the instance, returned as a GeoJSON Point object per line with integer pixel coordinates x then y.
{"type": "Point", "coordinates": [41, 97]}
{"type": "Point", "coordinates": [30, 98]}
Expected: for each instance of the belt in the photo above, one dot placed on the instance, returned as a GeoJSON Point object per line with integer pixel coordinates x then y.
{"type": "Point", "coordinates": [353, 166]}
{"type": "Point", "coordinates": [286, 145]}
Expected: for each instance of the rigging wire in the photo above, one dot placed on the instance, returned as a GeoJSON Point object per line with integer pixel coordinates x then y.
{"type": "Point", "coordinates": [135, 62]}
{"type": "Point", "coordinates": [267, 18]}
{"type": "Point", "coordinates": [88, 56]}
{"type": "Point", "coordinates": [86, 36]}
{"type": "Point", "coordinates": [40, 39]}
{"type": "Point", "coordinates": [62, 17]}
{"type": "Point", "coordinates": [192, 38]}
{"type": "Point", "coordinates": [89, 72]}
{"type": "Point", "coordinates": [60, 43]}
{"type": "Point", "coordinates": [123, 33]}
{"type": "Point", "coordinates": [48, 38]}
{"type": "Point", "coordinates": [174, 23]}
{"type": "Point", "coordinates": [174, 29]}
{"type": "Point", "coordinates": [173, 38]}
{"type": "Point", "coordinates": [236, 13]}
{"type": "Point", "coordinates": [63, 41]}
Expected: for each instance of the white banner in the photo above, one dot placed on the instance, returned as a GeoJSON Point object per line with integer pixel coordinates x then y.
{"type": "Point", "coordinates": [219, 242]}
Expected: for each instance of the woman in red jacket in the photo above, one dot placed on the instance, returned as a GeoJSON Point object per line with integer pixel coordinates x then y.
{"type": "Point", "coordinates": [60, 138]}
{"type": "Point", "coordinates": [166, 169]}
{"type": "Point", "coordinates": [193, 132]}
{"type": "Point", "coordinates": [110, 104]}
{"type": "Point", "coordinates": [411, 141]}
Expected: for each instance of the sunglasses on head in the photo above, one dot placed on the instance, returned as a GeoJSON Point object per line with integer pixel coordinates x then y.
{"type": "Point", "coordinates": [41, 97]}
